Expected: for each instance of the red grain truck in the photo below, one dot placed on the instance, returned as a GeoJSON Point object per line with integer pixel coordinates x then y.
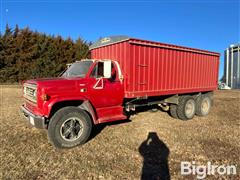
{"type": "Point", "coordinates": [123, 74]}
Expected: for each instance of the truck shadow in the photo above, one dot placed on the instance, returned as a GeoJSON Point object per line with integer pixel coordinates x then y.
{"type": "Point", "coordinates": [155, 158]}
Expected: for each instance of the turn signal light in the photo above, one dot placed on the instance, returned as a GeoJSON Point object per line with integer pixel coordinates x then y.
{"type": "Point", "coordinates": [45, 97]}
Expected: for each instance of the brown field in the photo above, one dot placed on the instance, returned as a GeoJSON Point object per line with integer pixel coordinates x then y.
{"type": "Point", "coordinates": [118, 150]}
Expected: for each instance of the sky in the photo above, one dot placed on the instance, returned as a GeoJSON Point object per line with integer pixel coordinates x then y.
{"type": "Point", "coordinates": [206, 24]}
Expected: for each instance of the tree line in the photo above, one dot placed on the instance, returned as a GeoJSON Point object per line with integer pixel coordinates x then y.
{"type": "Point", "coordinates": [27, 54]}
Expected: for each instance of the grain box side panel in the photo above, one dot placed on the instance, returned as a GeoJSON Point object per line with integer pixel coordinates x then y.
{"type": "Point", "coordinates": [146, 71]}
{"type": "Point", "coordinates": [154, 71]}
{"type": "Point", "coordinates": [163, 71]}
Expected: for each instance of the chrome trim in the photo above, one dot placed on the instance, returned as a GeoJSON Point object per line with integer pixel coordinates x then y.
{"type": "Point", "coordinates": [39, 121]}
{"type": "Point", "coordinates": [26, 111]}
{"type": "Point", "coordinates": [29, 90]}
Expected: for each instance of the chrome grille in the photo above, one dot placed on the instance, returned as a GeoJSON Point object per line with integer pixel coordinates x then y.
{"type": "Point", "coordinates": [30, 92]}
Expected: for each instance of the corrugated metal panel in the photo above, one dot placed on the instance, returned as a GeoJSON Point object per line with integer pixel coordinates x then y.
{"type": "Point", "coordinates": [232, 66]}
{"type": "Point", "coordinates": [151, 68]}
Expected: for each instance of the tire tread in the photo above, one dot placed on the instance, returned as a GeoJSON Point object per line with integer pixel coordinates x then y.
{"type": "Point", "coordinates": [58, 116]}
{"type": "Point", "coordinates": [173, 111]}
{"type": "Point", "coordinates": [181, 107]}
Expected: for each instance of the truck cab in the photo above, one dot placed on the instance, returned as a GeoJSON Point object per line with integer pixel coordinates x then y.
{"type": "Point", "coordinates": [89, 92]}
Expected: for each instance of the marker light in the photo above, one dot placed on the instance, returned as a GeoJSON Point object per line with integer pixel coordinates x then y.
{"type": "Point", "coordinates": [45, 97]}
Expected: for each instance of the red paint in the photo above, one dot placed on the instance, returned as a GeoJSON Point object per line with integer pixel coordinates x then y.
{"type": "Point", "coordinates": [153, 69]}
{"type": "Point", "coordinates": [105, 101]}
{"type": "Point", "coordinates": [148, 68]}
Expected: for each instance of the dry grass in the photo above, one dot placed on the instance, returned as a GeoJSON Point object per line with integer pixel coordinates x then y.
{"type": "Point", "coordinates": [114, 151]}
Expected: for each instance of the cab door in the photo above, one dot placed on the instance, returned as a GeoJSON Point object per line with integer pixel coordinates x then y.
{"type": "Point", "coordinates": [105, 92]}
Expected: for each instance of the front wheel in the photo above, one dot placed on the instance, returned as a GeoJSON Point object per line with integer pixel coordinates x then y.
{"type": "Point", "coordinates": [69, 127]}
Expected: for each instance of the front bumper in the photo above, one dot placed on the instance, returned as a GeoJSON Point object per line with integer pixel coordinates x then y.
{"type": "Point", "coordinates": [36, 121]}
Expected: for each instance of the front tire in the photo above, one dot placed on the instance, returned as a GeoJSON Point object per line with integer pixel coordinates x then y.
{"type": "Point", "coordinates": [69, 127]}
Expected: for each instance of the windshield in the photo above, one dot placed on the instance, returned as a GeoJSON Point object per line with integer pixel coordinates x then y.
{"type": "Point", "coordinates": [78, 69]}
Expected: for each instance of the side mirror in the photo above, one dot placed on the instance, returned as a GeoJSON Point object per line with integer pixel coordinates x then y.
{"type": "Point", "coordinates": [107, 69]}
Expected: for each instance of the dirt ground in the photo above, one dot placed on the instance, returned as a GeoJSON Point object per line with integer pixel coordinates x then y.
{"type": "Point", "coordinates": [120, 150]}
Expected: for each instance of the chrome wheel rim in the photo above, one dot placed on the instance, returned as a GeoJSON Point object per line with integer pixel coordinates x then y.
{"type": "Point", "coordinates": [71, 129]}
{"type": "Point", "coordinates": [190, 108]}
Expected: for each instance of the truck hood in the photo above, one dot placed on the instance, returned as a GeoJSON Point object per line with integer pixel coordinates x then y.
{"type": "Point", "coordinates": [49, 79]}
{"type": "Point", "coordinates": [54, 81]}
{"type": "Point", "coordinates": [58, 85]}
